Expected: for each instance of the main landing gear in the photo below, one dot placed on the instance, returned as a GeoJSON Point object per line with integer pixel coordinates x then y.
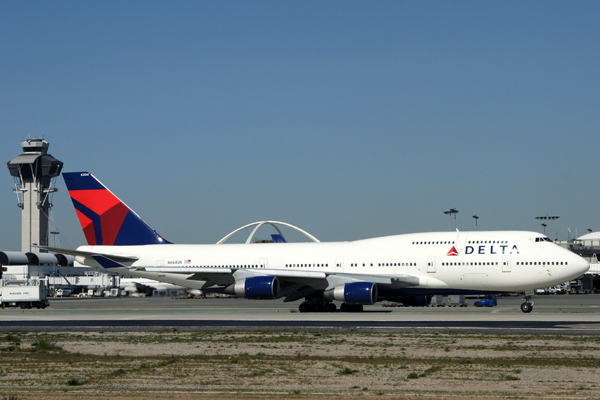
{"type": "Point", "coordinates": [527, 304]}
{"type": "Point", "coordinates": [320, 305]}
{"type": "Point", "coordinates": [317, 305]}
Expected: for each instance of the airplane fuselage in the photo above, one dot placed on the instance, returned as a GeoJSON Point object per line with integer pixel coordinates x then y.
{"type": "Point", "coordinates": [436, 262]}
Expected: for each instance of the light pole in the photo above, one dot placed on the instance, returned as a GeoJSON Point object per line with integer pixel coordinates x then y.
{"type": "Point", "coordinates": [476, 218]}
{"type": "Point", "coordinates": [452, 211]}
{"type": "Point", "coordinates": [547, 218]}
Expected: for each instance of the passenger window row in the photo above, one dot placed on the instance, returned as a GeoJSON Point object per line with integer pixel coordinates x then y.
{"type": "Point", "coordinates": [353, 265]}
{"type": "Point", "coordinates": [306, 265]}
{"type": "Point", "coordinates": [434, 242]}
{"type": "Point", "coordinates": [469, 242]}
{"type": "Point", "coordinates": [469, 263]}
{"type": "Point", "coordinates": [385, 265]}
{"type": "Point", "coordinates": [542, 263]}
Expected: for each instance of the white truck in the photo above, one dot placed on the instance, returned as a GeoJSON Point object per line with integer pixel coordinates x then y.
{"type": "Point", "coordinates": [24, 294]}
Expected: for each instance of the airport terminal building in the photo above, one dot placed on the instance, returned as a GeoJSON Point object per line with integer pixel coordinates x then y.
{"type": "Point", "coordinates": [58, 271]}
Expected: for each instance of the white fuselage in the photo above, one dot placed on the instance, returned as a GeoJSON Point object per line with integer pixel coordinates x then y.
{"type": "Point", "coordinates": [443, 262]}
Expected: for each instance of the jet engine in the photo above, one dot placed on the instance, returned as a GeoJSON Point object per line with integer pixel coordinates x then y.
{"type": "Point", "coordinates": [364, 293]}
{"type": "Point", "coordinates": [258, 287]}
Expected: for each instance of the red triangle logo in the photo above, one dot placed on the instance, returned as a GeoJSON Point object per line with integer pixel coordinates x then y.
{"type": "Point", "coordinates": [452, 252]}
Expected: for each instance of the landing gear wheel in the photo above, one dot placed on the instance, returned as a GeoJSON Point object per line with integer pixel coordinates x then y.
{"type": "Point", "coordinates": [23, 306]}
{"type": "Point", "coordinates": [526, 307]}
{"type": "Point", "coordinates": [317, 306]}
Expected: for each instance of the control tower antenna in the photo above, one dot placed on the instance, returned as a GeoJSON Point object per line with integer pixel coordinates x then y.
{"type": "Point", "coordinates": [34, 173]}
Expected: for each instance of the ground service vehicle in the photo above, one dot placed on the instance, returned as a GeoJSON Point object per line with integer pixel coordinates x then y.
{"type": "Point", "coordinates": [488, 301]}
{"type": "Point", "coordinates": [24, 294]}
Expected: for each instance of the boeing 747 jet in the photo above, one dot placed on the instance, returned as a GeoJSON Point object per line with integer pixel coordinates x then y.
{"type": "Point", "coordinates": [397, 268]}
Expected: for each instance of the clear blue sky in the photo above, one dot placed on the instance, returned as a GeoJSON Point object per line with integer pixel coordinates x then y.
{"type": "Point", "coordinates": [348, 119]}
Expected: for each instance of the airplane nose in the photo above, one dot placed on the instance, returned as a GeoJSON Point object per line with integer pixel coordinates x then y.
{"type": "Point", "coordinates": [580, 265]}
{"type": "Point", "coordinates": [584, 265]}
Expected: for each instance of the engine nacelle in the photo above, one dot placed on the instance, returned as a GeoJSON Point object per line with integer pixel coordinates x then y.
{"type": "Point", "coordinates": [258, 287]}
{"type": "Point", "coordinates": [364, 293]}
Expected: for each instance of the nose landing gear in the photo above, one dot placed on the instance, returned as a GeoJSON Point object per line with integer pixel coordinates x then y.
{"type": "Point", "coordinates": [527, 304]}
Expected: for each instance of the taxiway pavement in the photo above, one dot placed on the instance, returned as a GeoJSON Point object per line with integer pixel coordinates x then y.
{"type": "Point", "coordinates": [559, 314]}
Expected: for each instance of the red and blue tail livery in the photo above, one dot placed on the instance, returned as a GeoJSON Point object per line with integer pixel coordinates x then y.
{"type": "Point", "coordinates": [105, 219]}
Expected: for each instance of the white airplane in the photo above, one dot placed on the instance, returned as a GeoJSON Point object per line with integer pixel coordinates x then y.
{"type": "Point", "coordinates": [404, 268]}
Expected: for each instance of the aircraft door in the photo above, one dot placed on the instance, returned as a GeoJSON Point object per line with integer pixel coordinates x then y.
{"type": "Point", "coordinates": [339, 264]}
{"type": "Point", "coordinates": [431, 264]}
{"type": "Point", "coordinates": [505, 263]}
{"type": "Point", "coordinates": [264, 263]}
{"type": "Point", "coordinates": [461, 242]}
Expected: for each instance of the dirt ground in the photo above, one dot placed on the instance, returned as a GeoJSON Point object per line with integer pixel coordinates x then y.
{"type": "Point", "coordinates": [299, 364]}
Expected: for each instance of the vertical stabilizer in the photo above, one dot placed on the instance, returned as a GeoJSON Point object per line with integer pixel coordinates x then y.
{"type": "Point", "coordinates": [105, 219]}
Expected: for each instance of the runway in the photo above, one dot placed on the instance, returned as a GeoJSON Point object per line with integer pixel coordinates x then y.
{"type": "Point", "coordinates": [565, 314]}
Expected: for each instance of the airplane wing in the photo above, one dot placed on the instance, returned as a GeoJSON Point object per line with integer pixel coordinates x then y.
{"type": "Point", "coordinates": [295, 284]}
{"type": "Point", "coordinates": [284, 275]}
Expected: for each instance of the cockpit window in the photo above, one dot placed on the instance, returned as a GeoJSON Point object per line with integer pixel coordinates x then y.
{"type": "Point", "coordinates": [543, 239]}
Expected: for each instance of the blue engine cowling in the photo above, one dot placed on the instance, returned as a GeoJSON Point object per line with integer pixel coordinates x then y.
{"type": "Point", "coordinates": [258, 287]}
{"type": "Point", "coordinates": [364, 293]}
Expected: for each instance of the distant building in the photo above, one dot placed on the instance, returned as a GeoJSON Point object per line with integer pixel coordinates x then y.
{"type": "Point", "coordinates": [588, 247]}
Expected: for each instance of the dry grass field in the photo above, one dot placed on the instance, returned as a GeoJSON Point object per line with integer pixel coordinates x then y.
{"type": "Point", "coordinates": [303, 364]}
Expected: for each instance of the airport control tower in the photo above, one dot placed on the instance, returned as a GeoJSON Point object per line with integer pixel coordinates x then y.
{"type": "Point", "coordinates": [35, 173]}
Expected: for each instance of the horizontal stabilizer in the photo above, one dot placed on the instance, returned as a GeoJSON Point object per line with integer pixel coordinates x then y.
{"type": "Point", "coordinates": [78, 253]}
